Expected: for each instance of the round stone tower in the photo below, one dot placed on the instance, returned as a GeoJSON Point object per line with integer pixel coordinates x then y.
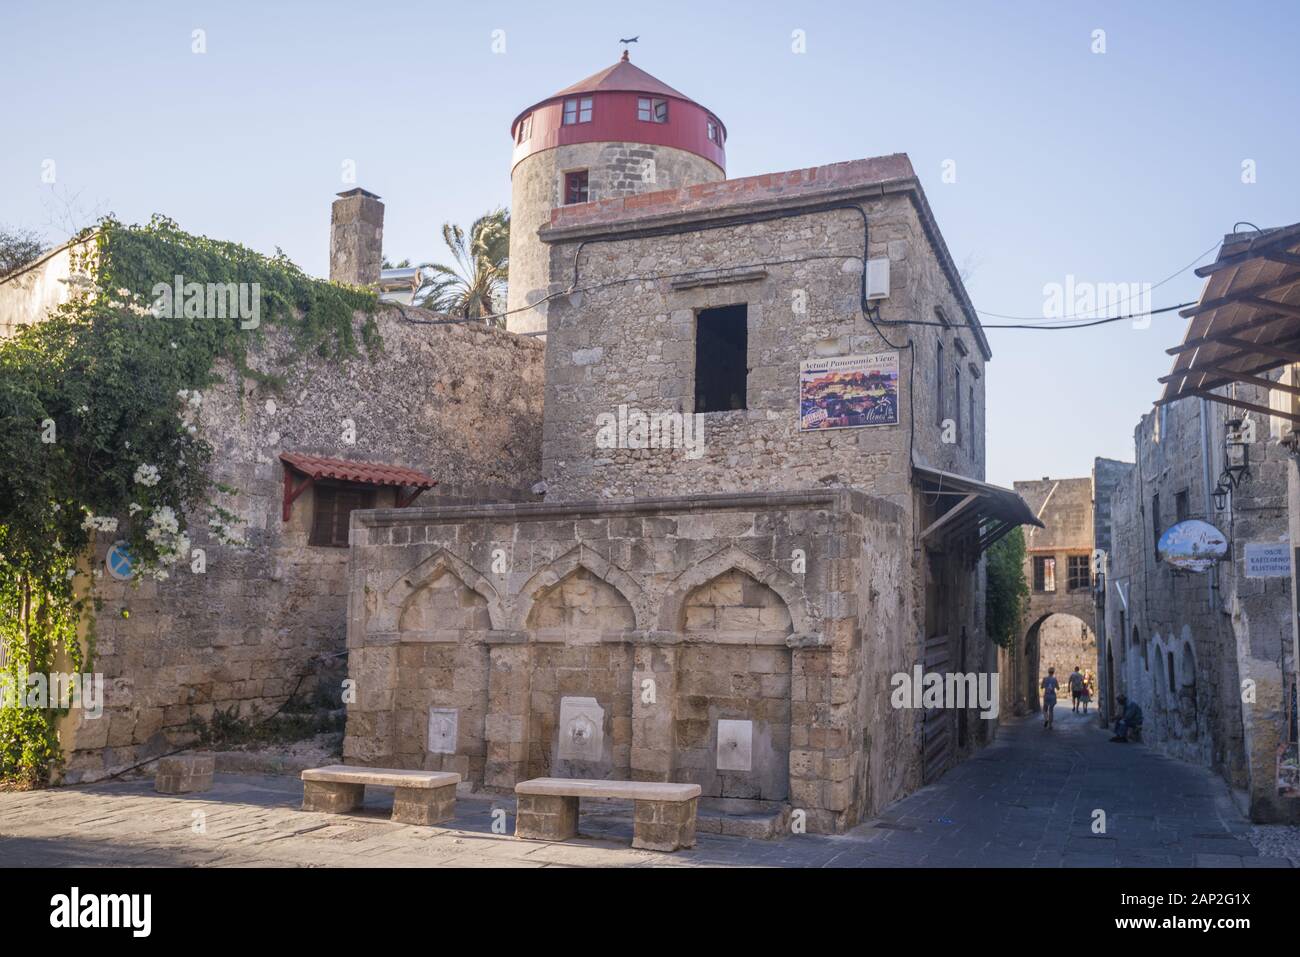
{"type": "Point", "coordinates": [618, 132]}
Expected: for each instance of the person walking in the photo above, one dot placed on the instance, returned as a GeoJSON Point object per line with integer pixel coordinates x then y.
{"type": "Point", "coordinates": [1077, 685]}
{"type": "Point", "coordinates": [1085, 695]}
{"type": "Point", "coordinates": [1050, 684]}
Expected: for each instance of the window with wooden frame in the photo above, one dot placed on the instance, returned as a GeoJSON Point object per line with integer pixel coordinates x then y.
{"type": "Point", "coordinates": [575, 187]}
{"type": "Point", "coordinates": [333, 504]}
{"type": "Point", "coordinates": [1080, 572]}
{"type": "Point", "coordinates": [1044, 573]}
{"type": "Point", "coordinates": [526, 128]}
{"type": "Point", "coordinates": [938, 385]}
{"type": "Point", "coordinates": [1155, 521]}
{"type": "Point", "coordinates": [970, 411]}
{"type": "Point", "coordinates": [1182, 506]}
{"type": "Point", "coordinates": [577, 110]}
{"type": "Point", "coordinates": [956, 397]}
{"type": "Point", "coordinates": [713, 133]}
{"type": "Point", "coordinates": [650, 110]}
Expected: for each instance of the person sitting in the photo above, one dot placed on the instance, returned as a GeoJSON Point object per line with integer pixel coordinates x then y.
{"type": "Point", "coordinates": [1130, 719]}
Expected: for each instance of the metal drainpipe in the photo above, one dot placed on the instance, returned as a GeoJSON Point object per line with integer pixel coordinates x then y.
{"type": "Point", "coordinates": [1207, 471]}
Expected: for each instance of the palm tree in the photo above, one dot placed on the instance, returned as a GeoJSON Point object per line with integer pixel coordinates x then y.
{"type": "Point", "coordinates": [475, 286]}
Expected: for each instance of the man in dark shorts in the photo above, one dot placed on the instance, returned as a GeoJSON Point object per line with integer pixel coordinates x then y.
{"type": "Point", "coordinates": [1076, 688]}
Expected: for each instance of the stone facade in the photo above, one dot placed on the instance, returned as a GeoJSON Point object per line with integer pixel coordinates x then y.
{"type": "Point", "coordinates": [242, 633]}
{"type": "Point", "coordinates": [668, 616]}
{"type": "Point", "coordinates": [1065, 508]}
{"type": "Point", "coordinates": [537, 187]}
{"type": "Point", "coordinates": [1108, 477]}
{"type": "Point", "coordinates": [732, 619]}
{"type": "Point", "coordinates": [1065, 643]}
{"type": "Point", "coordinates": [628, 336]}
{"type": "Point", "coordinates": [1203, 654]}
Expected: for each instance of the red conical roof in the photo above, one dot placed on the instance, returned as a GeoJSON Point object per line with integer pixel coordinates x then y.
{"type": "Point", "coordinates": [622, 77]}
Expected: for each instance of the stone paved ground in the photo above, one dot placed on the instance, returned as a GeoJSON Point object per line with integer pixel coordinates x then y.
{"type": "Point", "coordinates": [1026, 801]}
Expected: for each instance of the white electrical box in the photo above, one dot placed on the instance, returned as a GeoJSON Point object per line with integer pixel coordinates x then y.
{"type": "Point", "coordinates": [877, 279]}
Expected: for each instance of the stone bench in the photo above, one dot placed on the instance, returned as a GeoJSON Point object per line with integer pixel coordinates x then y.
{"type": "Point", "coordinates": [663, 817]}
{"type": "Point", "coordinates": [422, 797]}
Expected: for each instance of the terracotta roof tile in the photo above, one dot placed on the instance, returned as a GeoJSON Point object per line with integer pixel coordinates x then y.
{"type": "Point", "coordinates": [345, 470]}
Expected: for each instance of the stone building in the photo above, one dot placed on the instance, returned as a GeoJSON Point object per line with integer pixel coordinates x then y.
{"type": "Point", "coordinates": [1108, 475]}
{"type": "Point", "coordinates": [1208, 648]}
{"type": "Point", "coordinates": [1183, 642]}
{"type": "Point", "coordinates": [763, 453]}
{"type": "Point", "coordinates": [450, 412]}
{"type": "Point", "coordinates": [619, 132]}
{"type": "Point", "coordinates": [1057, 629]}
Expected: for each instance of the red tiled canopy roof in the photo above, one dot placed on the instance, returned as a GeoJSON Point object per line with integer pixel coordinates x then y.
{"type": "Point", "coordinates": [369, 473]}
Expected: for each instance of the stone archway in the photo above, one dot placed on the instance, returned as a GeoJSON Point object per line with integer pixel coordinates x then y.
{"type": "Point", "coordinates": [1057, 640]}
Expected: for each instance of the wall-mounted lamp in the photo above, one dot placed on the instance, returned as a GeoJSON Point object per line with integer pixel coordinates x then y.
{"type": "Point", "coordinates": [1220, 494]}
{"type": "Point", "coordinates": [1236, 457]}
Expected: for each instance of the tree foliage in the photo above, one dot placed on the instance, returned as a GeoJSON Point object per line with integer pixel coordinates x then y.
{"type": "Point", "coordinates": [99, 433]}
{"type": "Point", "coordinates": [1006, 591]}
{"type": "Point", "coordinates": [18, 247]}
{"type": "Point", "coordinates": [475, 286]}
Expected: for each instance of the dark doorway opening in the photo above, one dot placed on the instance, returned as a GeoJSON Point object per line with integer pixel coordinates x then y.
{"type": "Point", "coordinates": [721, 358]}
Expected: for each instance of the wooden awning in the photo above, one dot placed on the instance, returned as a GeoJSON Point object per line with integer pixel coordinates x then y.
{"type": "Point", "coordinates": [980, 513]}
{"type": "Point", "coordinates": [1246, 323]}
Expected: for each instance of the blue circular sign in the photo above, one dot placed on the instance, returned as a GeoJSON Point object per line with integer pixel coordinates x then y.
{"type": "Point", "coordinates": [119, 562]}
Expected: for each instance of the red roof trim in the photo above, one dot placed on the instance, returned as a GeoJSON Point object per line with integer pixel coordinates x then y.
{"type": "Point", "coordinates": [622, 77]}
{"type": "Point", "coordinates": [318, 467]}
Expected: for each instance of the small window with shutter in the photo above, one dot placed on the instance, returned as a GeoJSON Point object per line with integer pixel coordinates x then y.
{"type": "Point", "coordinates": [334, 505]}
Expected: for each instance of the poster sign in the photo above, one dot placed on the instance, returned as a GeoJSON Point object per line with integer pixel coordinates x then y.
{"type": "Point", "coordinates": [848, 392]}
{"type": "Point", "coordinates": [1193, 545]}
{"type": "Point", "coordinates": [1268, 560]}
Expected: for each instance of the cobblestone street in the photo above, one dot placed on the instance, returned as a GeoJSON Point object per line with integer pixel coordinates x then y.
{"type": "Point", "coordinates": [1026, 801]}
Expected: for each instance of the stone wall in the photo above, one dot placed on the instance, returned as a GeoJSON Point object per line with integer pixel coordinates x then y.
{"type": "Point", "coordinates": [1108, 476]}
{"type": "Point", "coordinates": [632, 343]}
{"type": "Point", "coordinates": [1065, 508]}
{"type": "Point", "coordinates": [240, 634]}
{"type": "Point", "coordinates": [620, 641]}
{"type": "Point", "coordinates": [537, 186]}
{"type": "Point", "coordinates": [1190, 640]}
{"type": "Point", "coordinates": [1066, 643]}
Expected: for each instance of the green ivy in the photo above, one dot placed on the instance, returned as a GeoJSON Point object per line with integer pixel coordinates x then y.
{"type": "Point", "coordinates": [95, 432]}
{"type": "Point", "coordinates": [1006, 591]}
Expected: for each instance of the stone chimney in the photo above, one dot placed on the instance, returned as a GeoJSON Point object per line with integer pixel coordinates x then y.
{"type": "Point", "coordinates": [356, 238]}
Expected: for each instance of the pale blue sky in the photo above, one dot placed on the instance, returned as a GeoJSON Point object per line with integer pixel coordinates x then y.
{"type": "Point", "coordinates": [1114, 167]}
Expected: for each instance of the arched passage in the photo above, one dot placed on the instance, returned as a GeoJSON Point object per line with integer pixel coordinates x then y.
{"type": "Point", "coordinates": [1056, 640]}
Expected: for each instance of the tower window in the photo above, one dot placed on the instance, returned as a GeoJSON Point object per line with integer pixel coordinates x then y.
{"type": "Point", "coordinates": [575, 187]}
{"type": "Point", "coordinates": [526, 128]}
{"type": "Point", "coordinates": [651, 110]}
{"type": "Point", "coordinates": [721, 358]}
{"type": "Point", "coordinates": [577, 110]}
